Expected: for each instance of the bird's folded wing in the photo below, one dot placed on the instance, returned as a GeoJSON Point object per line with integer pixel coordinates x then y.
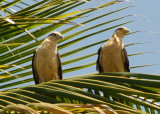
{"type": "Point", "coordinates": [59, 66]}
{"type": "Point", "coordinates": [35, 74]}
{"type": "Point", "coordinates": [126, 61]}
{"type": "Point", "coordinates": [98, 65]}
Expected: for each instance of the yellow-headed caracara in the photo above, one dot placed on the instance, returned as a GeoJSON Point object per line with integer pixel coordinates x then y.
{"type": "Point", "coordinates": [112, 56]}
{"type": "Point", "coordinates": [46, 64]}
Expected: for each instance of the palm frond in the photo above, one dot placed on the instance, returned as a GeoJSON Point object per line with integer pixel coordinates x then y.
{"type": "Point", "coordinates": [24, 27]}
{"type": "Point", "coordinates": [127, 90]}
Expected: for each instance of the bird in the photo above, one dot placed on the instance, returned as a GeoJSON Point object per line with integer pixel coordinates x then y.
{"type": "Point", "coordinates": [46, 63]}
{"type": "Point", "coordinates": [112, 56]}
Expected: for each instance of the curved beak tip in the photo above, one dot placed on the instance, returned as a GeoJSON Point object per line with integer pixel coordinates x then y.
{"type": "Point", "coordinates": [128, 31]}
{"type": "Point", "coordinates": [62, 37]}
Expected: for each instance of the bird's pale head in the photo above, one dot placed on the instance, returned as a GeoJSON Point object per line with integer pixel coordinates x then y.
{"type": "Point", "coordinates": [121, 32]}
{"type": "Point", "coordinates": [55, 36]}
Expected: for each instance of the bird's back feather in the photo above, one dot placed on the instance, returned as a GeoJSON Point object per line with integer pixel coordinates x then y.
{"type": "Point", "coordinates": [98, 65]}
{"type": "Point", "coordinates": [112, 57]}
{"type": "Point", "coordinates": [35, 74]}
{"type": "Point", "coordinates": [126, 61]}
{"type": "Point", "coordinates": [59, 67]}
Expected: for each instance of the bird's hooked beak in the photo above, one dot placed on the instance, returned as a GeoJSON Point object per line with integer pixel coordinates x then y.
{"type": "Point", "coordinates": [62, 37]}
{"type": "Point", "coordinates": [127, 31]}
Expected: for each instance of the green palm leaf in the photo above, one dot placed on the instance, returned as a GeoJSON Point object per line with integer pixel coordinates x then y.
{"type": "Point", "coordinates": [24, 27]}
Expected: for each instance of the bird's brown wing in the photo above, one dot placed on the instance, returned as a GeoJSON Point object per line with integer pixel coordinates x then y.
{"type": "Point", "coordinates": [59, 66]}
{"type": "Point", "coordinates": [35, 74]}
{"type": "Point", "coordinates": [126, 61]}
{"type": "Point", "coordinates": [98, 65]}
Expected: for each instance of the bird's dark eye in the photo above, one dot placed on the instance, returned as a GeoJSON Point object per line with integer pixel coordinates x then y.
{"type": "Point", "coordinates": [120, 28]}
{"type": "Point", "coordinates": [53, 34]}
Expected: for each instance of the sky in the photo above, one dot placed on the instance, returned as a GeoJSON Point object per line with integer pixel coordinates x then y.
{"type": "Point", "coordinates": [146, 20]}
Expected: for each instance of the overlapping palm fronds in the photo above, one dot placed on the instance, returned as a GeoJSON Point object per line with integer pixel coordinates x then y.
{"type": "Point", "coordinates": [23, 26]}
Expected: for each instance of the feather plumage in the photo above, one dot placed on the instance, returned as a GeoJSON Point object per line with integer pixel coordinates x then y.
{"type": "Point", "coordinates": [112, 56]}
{"type": "Point", "coordinates": [46, 63]}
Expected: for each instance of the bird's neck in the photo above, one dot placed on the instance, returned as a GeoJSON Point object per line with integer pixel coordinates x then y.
{"type": "Point", "coordinates": [118, 38]}
{"type": "Point", "coordinates": [47, 40]}
{"type": "Point", "coordinates": [50, 43]}
{"type": "Point", "coordinates": [52, 39]}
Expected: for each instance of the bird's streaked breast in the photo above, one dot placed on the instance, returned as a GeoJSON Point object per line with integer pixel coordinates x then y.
{"type": "Point", "coordinates": [111, 57]}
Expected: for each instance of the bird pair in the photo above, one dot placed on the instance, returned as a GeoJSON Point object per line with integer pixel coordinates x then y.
{"type": "Point", "coordinates": [112, 57]}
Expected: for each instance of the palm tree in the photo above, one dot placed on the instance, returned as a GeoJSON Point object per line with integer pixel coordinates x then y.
{"type": "Point", "coordinates": [25, 25]}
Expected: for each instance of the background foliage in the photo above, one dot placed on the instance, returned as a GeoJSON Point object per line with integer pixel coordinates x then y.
{"type": "Point", "coordinates": [25, 25]}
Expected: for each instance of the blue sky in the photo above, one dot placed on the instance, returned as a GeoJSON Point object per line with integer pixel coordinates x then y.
{"type": "Point", "coordinates": [146, 19]}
